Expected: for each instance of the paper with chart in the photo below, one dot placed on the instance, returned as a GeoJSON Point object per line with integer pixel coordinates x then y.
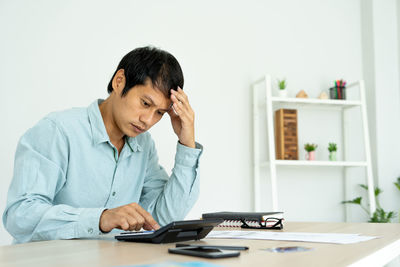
{"type": "Point", "coordinates": [335, 238]}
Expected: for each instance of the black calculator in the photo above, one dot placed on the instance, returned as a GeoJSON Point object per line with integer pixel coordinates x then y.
{"type": "Point", "coordinates": [173, 232]}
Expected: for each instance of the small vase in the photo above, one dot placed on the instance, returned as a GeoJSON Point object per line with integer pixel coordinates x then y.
{"type": "Point", "coordinates": [310, 155]}
{"type": "Point", "coordinates": [282, 93]}
{"type": "Point", "coordinates": [332, 156]}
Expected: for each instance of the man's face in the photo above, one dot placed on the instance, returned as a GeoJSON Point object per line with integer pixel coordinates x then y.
{"type": "Point", "coordinates": [141, 108]}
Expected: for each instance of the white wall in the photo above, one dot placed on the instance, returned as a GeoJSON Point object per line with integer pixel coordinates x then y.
{"type": "Point", "coordinates": [60, 54]}
{"type": "Point", "coordinates": [383, 74]}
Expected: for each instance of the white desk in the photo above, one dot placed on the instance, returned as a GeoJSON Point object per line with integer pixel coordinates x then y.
{"type": "Point", "coordinates": [109, 252]}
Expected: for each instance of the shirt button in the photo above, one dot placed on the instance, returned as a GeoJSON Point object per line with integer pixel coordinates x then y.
{"type": "Point", "coordinates": [113, 193]}
{"type": "Point", "coordinates": [90, 230]}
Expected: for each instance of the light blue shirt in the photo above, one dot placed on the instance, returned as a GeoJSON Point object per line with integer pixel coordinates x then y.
{"type": "Point", "coordinates": [67, 172]}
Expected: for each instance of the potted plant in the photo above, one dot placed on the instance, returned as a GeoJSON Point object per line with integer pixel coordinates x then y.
{"type": "Point", "coordinates": [332, 151]}
{"type": "Point", "coordinates": [380, 215]}
{"type": "Point", "coordinates": [282, 88]}
{"type": "Point", "coordinates": [310, 148]}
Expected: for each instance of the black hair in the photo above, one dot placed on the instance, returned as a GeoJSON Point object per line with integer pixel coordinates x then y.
{"type": "Point", "coordinates": [150, 63]}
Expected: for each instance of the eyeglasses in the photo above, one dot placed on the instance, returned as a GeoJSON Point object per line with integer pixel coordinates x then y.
{"type": "Point", "coordinates": [269, 223]}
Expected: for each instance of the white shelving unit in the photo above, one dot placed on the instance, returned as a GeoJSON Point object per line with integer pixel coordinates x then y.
{"type": "Point", "coordinates": [268, 107]}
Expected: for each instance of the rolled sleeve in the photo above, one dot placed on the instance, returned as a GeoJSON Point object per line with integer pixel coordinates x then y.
{"type": "Point", "coordinates": [187, 156]}
{"type": "Point", "coordinates": [170, 198]}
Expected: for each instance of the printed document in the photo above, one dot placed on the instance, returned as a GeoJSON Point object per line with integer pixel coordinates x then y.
{"type": "Point", "coordinates": [335, 238]}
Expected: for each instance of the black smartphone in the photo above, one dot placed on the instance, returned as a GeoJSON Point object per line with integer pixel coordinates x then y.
{"type": "Point", "coordinates": [204, 252]}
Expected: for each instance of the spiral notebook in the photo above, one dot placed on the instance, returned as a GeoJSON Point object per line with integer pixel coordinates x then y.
{"type": "Point", "coordinates": [252, 220]}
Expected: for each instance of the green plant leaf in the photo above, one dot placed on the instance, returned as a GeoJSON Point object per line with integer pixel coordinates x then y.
{"type": "Point", "coordinates": [397, 184]}
{"type": "Point", "coordinates": [310, 147]}
{"type": "Point", "coordinates": [381, 216]}
{"type": "Point", "coordinates": [377, 189]}
{"type": "Point", "coordinates": [374, 218]}
{"type": "Point", "coordinates": [364, 186]}
{"type": "Point", "coordinates": [332, 147]}
{"type": "Point", "coordinates": [282, 84]}
{"type": "Point", "coordinates": [357, 201]}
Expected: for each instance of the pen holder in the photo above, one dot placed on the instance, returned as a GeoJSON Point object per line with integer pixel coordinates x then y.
{"type": "Point", "coordinates": [337, 92]}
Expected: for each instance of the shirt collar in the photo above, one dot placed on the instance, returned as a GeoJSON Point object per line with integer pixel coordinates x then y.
{"type": "Point", "coordinates": [99, 133]}
{"type": "Point", "coordinates": [133, 144]}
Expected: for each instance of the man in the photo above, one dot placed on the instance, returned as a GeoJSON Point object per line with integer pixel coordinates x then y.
{"type": "Point", "coordinates": [86, 171]}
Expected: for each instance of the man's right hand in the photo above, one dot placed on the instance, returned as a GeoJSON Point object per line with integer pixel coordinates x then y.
{"type": "Point", "coordinates": [129, 217]}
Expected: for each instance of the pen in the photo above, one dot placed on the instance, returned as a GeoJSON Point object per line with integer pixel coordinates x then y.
{"type": "Point", "coordinates": [213, 247]}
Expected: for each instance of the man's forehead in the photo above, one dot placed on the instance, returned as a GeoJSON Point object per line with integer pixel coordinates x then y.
{"type": "Point", "coordinates": [157, 98]}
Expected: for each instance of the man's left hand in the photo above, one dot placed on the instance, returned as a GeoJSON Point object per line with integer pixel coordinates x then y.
{"type": "Point", "coordinates": [182, 118]}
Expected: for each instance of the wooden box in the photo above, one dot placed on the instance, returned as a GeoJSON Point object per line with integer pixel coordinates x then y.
{"type": "Point", "coordinates": [286, 134]}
